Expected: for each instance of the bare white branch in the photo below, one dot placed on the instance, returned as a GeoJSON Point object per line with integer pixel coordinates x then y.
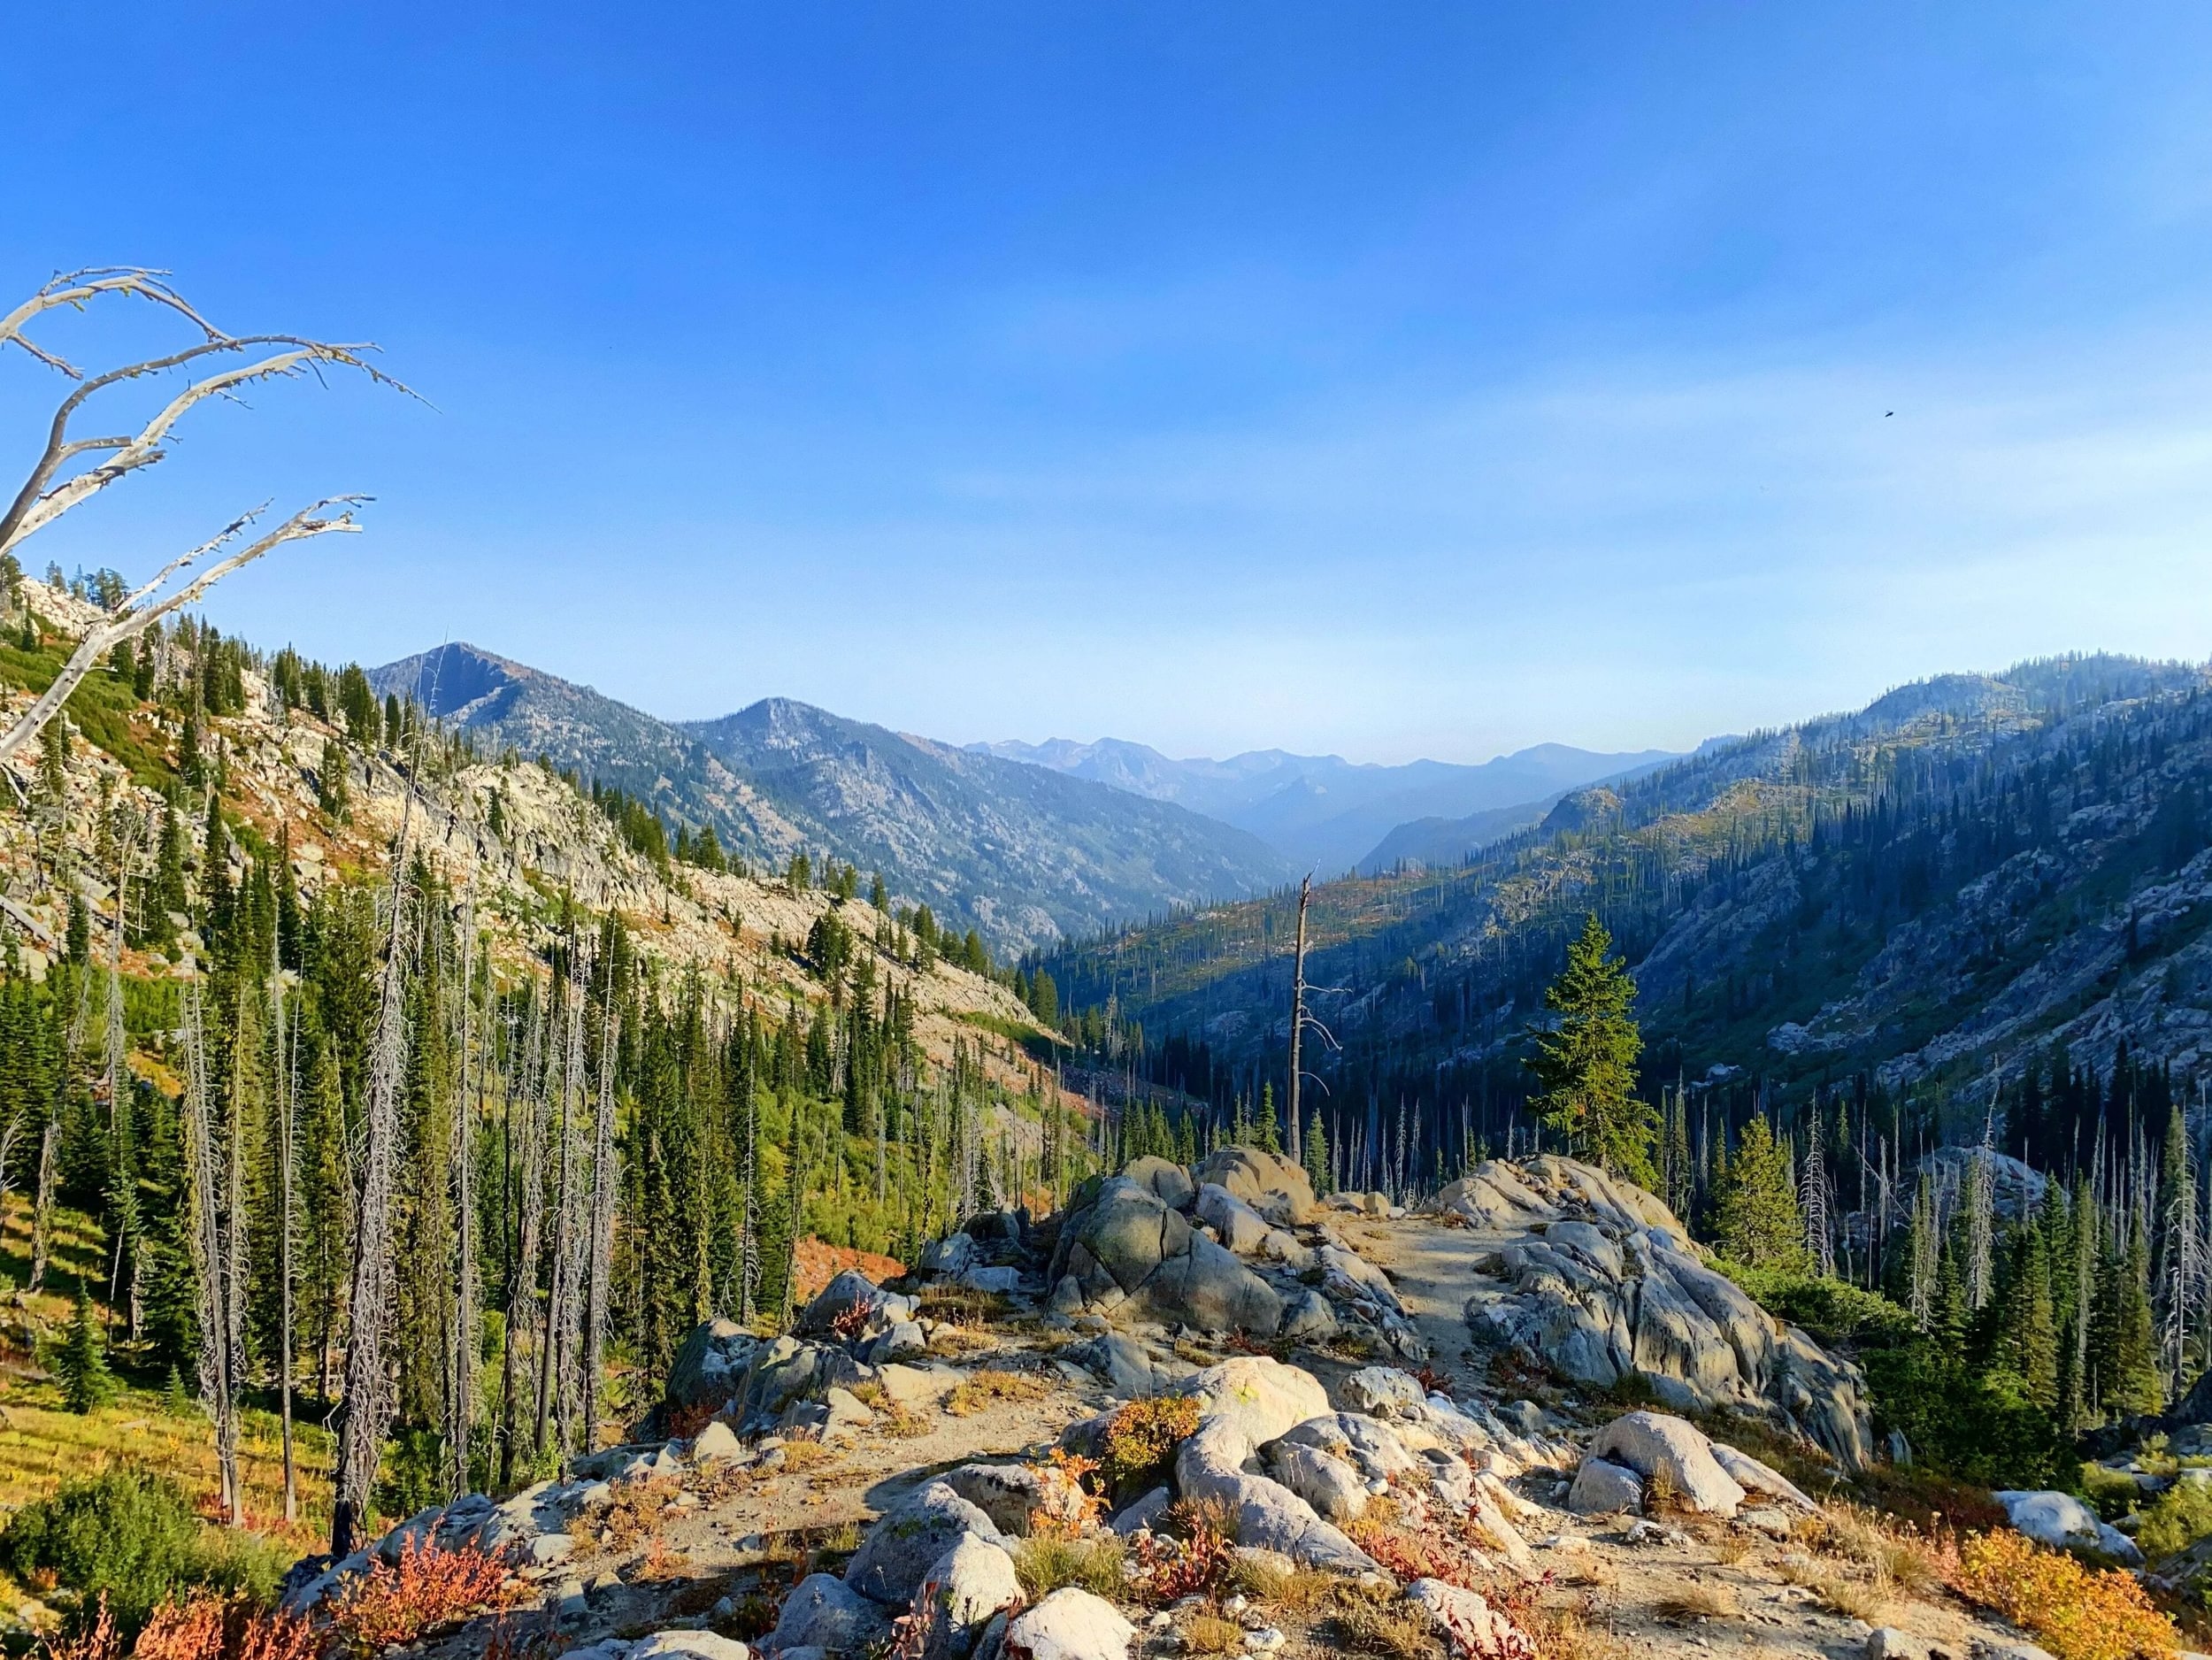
{"type": "Point", "coordinates": [136, 614]}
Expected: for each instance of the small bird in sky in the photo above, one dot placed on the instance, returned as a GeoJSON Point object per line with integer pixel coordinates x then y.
{"type": "Point", "coordinates": [1887, 413]}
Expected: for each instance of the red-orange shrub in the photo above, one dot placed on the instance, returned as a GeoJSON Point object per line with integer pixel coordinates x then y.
{"type": "Point", "coordinates": [396, 1603]}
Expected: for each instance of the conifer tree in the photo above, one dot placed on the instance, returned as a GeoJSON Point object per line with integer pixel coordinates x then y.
{"type": "Point", "coordinates": [1317, 1151]}
{"type": "Point", "coordinates": [1586, 1063]}
{"type": "Point", "coordinates": [1758, 1218]}
{"type": "Point", "coordinates": [82, 1364]}
{"type": "Point", "coordinates": [2027, 1333]}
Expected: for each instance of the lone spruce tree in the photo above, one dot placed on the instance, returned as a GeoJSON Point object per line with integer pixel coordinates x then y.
{"type": "Point", "coordinates": [82, 1365]}
{"type": "Point", "coordinates": [1586, 1063]}
{"type": "Point", "coordinates": [1757, 1216]}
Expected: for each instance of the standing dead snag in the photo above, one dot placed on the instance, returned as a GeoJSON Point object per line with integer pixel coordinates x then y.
{"type": "Point", "coordinates": [369, 1399]}
{"type": "Point", "coordinates": [70, 471]}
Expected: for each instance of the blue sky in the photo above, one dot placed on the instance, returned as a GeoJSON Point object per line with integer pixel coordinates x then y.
{"type": "Point", "coordinates": [1384, 380]}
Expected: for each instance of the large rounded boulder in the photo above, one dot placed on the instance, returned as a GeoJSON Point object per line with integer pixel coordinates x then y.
{"type": "Point", "coordinates": [1129, 1254]}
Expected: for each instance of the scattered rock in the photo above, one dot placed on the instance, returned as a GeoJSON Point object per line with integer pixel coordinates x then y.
{"type": "Point", "coordinates": [1236, 1224]}
{"type": "Point", "coordinates": [1773, 1522]}
{"type": "Point", "coordinates": [1308, 1319]}
{"type": "Point", "coordinates": [1333, 1488]}
{"type": "Point", "coordinates": [1271, 1185]}
{"type": "Point", "coordinates": [1382, 1392]}
{"type": "Point", "coordinates": [1260, 1396]}
{"type": "Point", "coordinates": [901, 1550]}
{"type": "Point", "coordinates": [824, 1612]}
{"type": "Point", "coordinates": [1467, 1623]}
{"type": "Point", "coordinates": [1014, 1496]}
{"type": "Point", "coordinates": [1754, 1477]}
{"type": "Point", "coordinates": [1602, 1283]}
{"type": "Point", "coordinates": [1070, 1625]}
{"type": "Point", "coordinates": [715, 1444]}
{"type": "Point", "coordinates": [1164, 1178]}
{"type": "Point", "coordinates": [1604, 1488]}
{"type": "Point", "coordinates": [710, 1366]}
{"type": "Point", "coordinates": [1659, 1447]}
{"type": "Point", "coordinates": [852, 1305]}
{"type": "Point", "coordinates": [689, 1645]}
{"type": "Point", "coordinates": [1144, 1512]}
{"type": "Point", "coordinates": [2062, 1522]}
{"type": "Point", "coordinates": [968, 1585]}
{"type": "Point", "coordinates": [1888, 1642]}
{"type": "Point", "coordinates": [1132, 1257]}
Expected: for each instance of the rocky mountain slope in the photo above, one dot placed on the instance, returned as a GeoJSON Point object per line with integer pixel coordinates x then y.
{"type": "Point", "coordinates": [1323, 811]}
{"type": "Point", "coordinates": [965, 1467]}
{"type": "Point", "coordinates": [506, 831]}
{"type": "Point", "coordinates": [1031, 856]}
{"type": "Point", "coordinates": [1968, 872]}
{"type": "Point", "coordinates": [1023, 857]}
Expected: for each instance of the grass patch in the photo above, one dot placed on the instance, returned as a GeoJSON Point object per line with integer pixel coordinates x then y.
{"type": "Point", "coordinates": [1696, 1601]}
{"type": "Point", "coordinates": [991, 1385]}
{"type": "Point", "coordinates": [1379, 1621]}
{"type": "Point", "coordinates": [1209, 1633]}
{"type": "Point", "coordinates": [1099, 1566]}
{"type": "Point", "coordinates": [1837, 1589]}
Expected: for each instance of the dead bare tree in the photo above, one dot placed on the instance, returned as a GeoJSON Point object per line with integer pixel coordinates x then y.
{"type": "Point", "coordinates": [524, 1327]}
{"type": "Point", "coordinates": [461, 1395]}
{"type": "Point", "coordinates": [370, 1397]}
{"type": "Point", "coordinates": [70, 469]}
{"type": "Point", "coordinates": [558, 1382]}
{"type": "Point", "coordinates": [288, 1064]}
{"type": "Point", "coordinates": [603, 1185]}
{"type": "Point", "coordinates": [218, 1379]}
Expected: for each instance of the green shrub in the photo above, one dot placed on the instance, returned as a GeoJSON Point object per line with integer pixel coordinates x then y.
{"type": "Point", "coordinates": [131, 1536]}
{"type": "Point", "coordinates": [2112, 1493]}
{"type": "Point", "coordinates": [1833, 1310]}
{"type": "Point", "coordinates": [2181, 1516]}
{"type": "Point", "coordinates": [1981, 1428]}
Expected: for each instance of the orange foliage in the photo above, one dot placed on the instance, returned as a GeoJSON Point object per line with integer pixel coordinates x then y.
{"type": "Point", "coordinates": [2078, 1613]}
{"type": "Point", "coordinates": [202, 1627]}
{"type": "Point", "coordinates": [391, 1604]}
{"type": "Point", "coordinates": [95, 1641]}
{"type": "Point", "coordinates": [1074, 1510]}
{"type": "Point", "coordinates": [816, 1262]}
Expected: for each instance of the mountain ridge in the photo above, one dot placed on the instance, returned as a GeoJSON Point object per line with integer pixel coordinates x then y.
{"type": "Point", "coordinates": [1325, 811]}
{"type": "Point", "coordinates": [980, 841]}
{"type": "Point", "coordinates": [1969, 873]}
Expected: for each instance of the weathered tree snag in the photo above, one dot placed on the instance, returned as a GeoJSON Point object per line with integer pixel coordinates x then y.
{"type": "Point", "coordinates": [51, 488]}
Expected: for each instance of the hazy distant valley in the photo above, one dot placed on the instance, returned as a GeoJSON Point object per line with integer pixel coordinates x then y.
{"type": "Point", "coordinates": [1031, 844]}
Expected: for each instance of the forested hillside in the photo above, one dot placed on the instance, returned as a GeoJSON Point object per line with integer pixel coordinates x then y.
{"type": "Point", "coordinates": [1022, 856]}
{"type": "Point", "coordinates": [345, 1069]}
{"type": "Point", "coordinates": [1974, 877]}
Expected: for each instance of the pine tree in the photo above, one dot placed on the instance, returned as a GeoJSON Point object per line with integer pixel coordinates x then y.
{"type": "Point", "coordinates": [2027, 1331]}
{"type": "Point", "coordinates": [1317, 1151]}
{"type": "Point", "coordinates": [1757, 1218]}
{"type": "Point", "coordinates": [2133, 1383]}
{"type": "Point", "coordinates": [1951, 1318]}
{"type": "Point", "coordinates": [1586, 1063]}
{"type": "Point", "coordinates": [82, 1364]}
